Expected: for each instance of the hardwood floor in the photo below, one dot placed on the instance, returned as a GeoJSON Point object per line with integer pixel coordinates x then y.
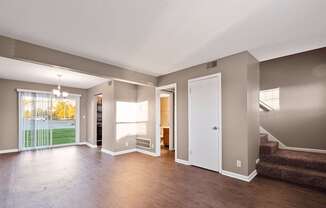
{"type": "Point", "coordinates": [83, 177]}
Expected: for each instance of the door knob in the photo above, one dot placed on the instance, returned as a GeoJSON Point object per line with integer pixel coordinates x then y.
{"type": "Point", "coordinates": [215, 128]}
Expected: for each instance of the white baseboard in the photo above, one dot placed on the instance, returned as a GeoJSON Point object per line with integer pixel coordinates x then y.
{"type": "Point", "coordinates": [252, 175]}
{"type": "Point", "coordinates": [304, 149]}
{"type": "Point", "coordinates": [184, 162]}
{"type": "Point", "coordinates": [90, 145]}
{"type": "Point", "coordinates": [107, 152]}
{"type": "Point", "coordinates": [117, 153]}
{"type": "Point", "coordinates": [125, 151]}
{"type": "Point", "coordinates": [147, 152]}
{"type": "Point", "coordinates": [129, 151]}
{"type": "Point", "coordinates": [8, 151]}
{"type": "Point", "coordinates": [239, 176]}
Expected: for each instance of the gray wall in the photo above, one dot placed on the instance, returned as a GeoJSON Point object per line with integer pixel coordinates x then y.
{"type": "Point", "coordinates": [127, 93]}
{"type": "Point", "coordinates": [253, 88]}
{"type": "Point", "coordinates": [118, 91]}
{"type": "Point", "coordinates": [17, 49]}
{"type": "Point", "coordinates": [108, 115]}
{"type": "Point", "coordinates": [301, 78]}
{"type": "Point", "coordinates": [145, 93]}
{"type": "Point", "coordinates": [9, 110]}
{"type": "Point", "coordinates": [237, 102]}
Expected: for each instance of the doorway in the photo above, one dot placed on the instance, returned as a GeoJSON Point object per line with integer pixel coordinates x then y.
{"type": "Point", "coordinates": [166, 138]}
{"type": "Point", "coordinates": [99, 120]}
{"type": "Point", "coordinates": [204, 116]}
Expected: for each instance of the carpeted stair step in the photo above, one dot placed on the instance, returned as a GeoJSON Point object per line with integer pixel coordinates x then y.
{"type": "Point", "coordinates": [314, 161]}
{"type": "Point", "coordinates": [293, 174]}
{"type": "Point", "coordinates": [268, 148]}
{"type": "Point", "coordinates": [263, 138]}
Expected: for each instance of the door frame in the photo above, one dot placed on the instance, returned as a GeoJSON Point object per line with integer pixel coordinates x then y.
{"type": "Point", "coordinates": [94, 119]}
{"type": "Point", "coordinates": [220, 143]}
{"type": "Point", "coordinates": [158, 119]}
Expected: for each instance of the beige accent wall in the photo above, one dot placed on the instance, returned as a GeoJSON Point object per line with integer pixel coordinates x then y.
{"type": "Point", "coordinates": [164, 107]}
{"type": "Point", "coordinates": [301, 120]}
{"type": "Point", "coordinates": [9, 110]}
{"type": "Point", "coordinates": [17, 49]}
{"type": "Point", "coordinates": [239, 112]}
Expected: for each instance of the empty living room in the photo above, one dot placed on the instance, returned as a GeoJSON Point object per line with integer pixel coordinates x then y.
{"type": "Point", "coordinates": [162, 103]}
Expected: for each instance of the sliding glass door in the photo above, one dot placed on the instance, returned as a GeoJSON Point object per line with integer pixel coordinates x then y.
{"type": "Point", "coordinates": [47, 121]}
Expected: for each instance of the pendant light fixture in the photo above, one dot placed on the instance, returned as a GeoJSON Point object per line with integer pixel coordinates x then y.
{"type": "Point", "coordinates": [57, 92]}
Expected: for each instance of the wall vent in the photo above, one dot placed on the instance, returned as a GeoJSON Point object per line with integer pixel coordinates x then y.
{"type": "Point", "coordinates": [211, 64]}
{"type": "Point", "coordinates": [143, 143]}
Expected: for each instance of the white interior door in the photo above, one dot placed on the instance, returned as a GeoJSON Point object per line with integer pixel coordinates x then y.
{"type": "Point", "coordinates": [204, 125]}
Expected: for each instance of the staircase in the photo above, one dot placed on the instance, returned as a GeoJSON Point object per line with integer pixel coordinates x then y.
{"type": "Point", "coordinates": [303, 168]}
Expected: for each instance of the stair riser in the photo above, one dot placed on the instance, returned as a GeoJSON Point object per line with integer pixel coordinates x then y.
{"type": "Point", "coordinates": [263, 139]}
{"type": "Point", "coordinates": [267, 150]}
{"type": "Point", "coordinates": [269, 172]}
{"type": "Point", "coordinates": [292, 176]}
{"type": "Point", "coordinates": [313, 165]}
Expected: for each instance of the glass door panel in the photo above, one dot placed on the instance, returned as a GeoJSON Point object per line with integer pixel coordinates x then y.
{"type": "Point", "coordinates": [36, 120]}
{"type": "Point", "coordinates": [63, 123]}
{"type": "Point", "coordinates": [46, 121]}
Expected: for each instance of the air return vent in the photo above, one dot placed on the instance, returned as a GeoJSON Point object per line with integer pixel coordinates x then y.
{"type": "Point", "coordinates": [211, 64]}
{"type": "Point", "coordinates": [143, 143]}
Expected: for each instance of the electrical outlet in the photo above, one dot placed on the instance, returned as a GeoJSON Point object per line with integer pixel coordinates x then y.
{"type": "Point", "coordinates": [239, 164]}
{"type": "Point", "coordinates": [127, 144]}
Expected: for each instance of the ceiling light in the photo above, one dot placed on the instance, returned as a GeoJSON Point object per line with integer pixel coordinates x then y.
{"type": "Point", "coordinates": [57, 92]}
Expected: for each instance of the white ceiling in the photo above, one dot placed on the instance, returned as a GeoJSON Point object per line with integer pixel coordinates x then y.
{"type": "Point", "coordinates": [162, 36]}
{"type": "Point", "coordinates": [30, 72]}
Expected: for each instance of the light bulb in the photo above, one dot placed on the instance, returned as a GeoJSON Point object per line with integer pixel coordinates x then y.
{"type": "Point", "coordinates": [56, 92]}
{"type": "Point", "coordinates": [65, 94]}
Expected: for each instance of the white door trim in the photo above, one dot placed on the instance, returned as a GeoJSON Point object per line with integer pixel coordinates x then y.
{"type": "Point", "coordinates": [77, 126]}
{"type": "Point", "coordinates": [171, 121]}
{"type": "Point", "coordinates": [220, 143]}
{"type": "Point", "coordinates": [20, 122]}
{"type": "Point", "coordinates": [158, 119]}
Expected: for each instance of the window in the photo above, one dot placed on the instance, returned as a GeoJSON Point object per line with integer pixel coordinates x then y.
{"type": "Point", "coordinates": [270, 99]}
{"type": "Point", "coordinates": [131, 119]}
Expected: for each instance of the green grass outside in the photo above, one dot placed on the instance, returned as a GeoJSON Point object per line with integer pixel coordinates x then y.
{"type": "Point", "coordinates": [59, 136]}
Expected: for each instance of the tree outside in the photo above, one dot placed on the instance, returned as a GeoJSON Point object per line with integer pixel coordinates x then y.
{"type": "Point", "coordinates": [63, 110]}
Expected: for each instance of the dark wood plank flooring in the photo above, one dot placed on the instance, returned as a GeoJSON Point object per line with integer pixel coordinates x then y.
{"type": "Point", "coordinates": [86, 178]}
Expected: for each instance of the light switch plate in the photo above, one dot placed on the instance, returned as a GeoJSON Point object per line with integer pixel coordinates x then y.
{"type": "Point", "coordinates": [239, 163]}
